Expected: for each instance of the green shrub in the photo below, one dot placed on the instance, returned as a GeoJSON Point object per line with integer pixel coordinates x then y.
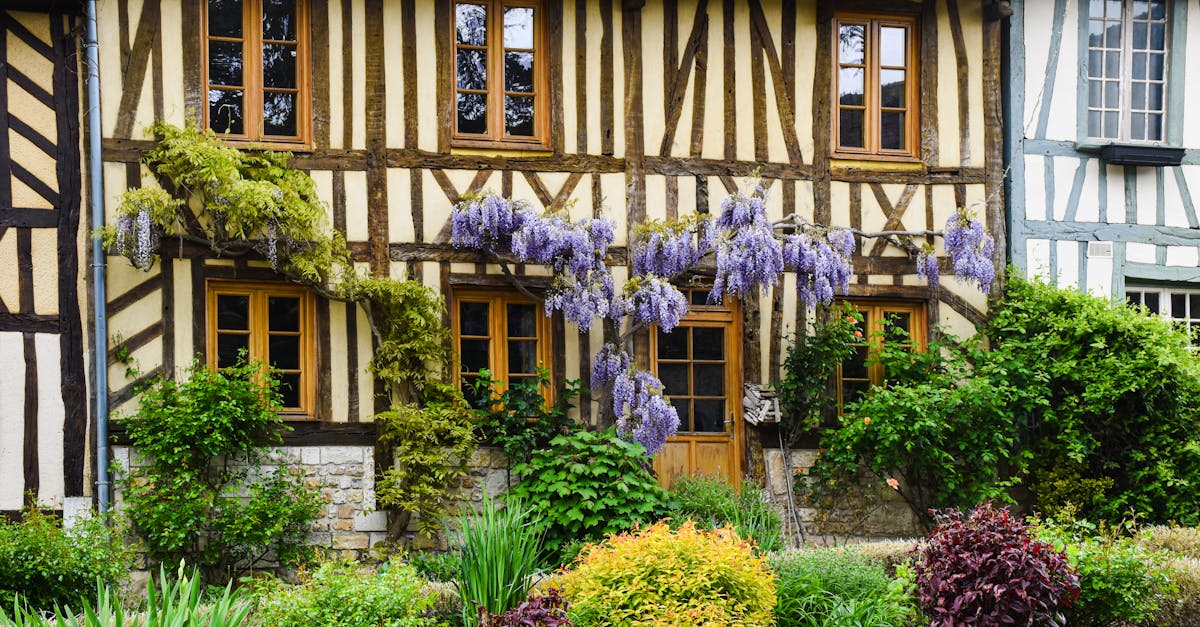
{"type": "Point", "coordinates": [343, 594]}
{"type": "Point", "coordinates": [713, 502]}
{"type": "Point", "coordinates": [664, 577]}
{"type": "Point", "coordinates": [838, 587]}
{"type": "Point", "coordinates": [1184, 541]}
{"type": "Point", "coordinates": [501, 551]}
{"type": "Point", "coordinates": [1119, 580]}
{"type": "Point", "coordinates": [49, 565]}
{"type": "Point", "coordinates": [516, 418]}
{"type": "Point", "coordinates": [209, 494]}
{"type": "Point", "coordinates": [435, 565]}
{"type": "Point", "coordinates": [588, 485]}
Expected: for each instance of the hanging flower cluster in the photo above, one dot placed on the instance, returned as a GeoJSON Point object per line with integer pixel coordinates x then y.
{"type": "Point", "coordinates": [671, 250]}
{"type": "Point", "coordinates": [487, 221]}
{"type": "Point", "coordinates": [927, 265]}
{"type": "Point", "coordinates": [135, 234]}
{"type": "Point", "coordinates": [609, 362]}
{"type": "Point", "coordinates": [822, 264]}
{"type": "Point", "coordinates": [653, 300]}
{"type": "Point", "coordinates": [970, 249]}
{"type": "Point", "coordinates": [642, 411]}
{"type": "Point", "coordinates": [749, 257]}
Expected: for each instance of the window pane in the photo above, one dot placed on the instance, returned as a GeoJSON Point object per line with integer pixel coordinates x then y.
{"type": "Point", "coordinates": [1194, 305]}
{"type": "Point", "coordinates": [518, 115]}
{"type": "Point", "coordinates": [855, 366]}
{"type": "Point", "coordinates": [710, 416]}
{"type": "Point", "coordinates": [683, 407]}
{"type": "Point", "coordinates": [1112, 120]}
{"type": "Point", "coordinates": [1096, 33]}
{"type": "Point", "coordinates": [897, 326]}
{"type": "Point", "coordinates": [471, 24]}
{"type": "Point", "coordinates": [850, 86]}
{"type": "Point", "coordinates": [283, 313]}
{"type": "Point", "coordinates": [518, 71]}
{"type": "Point", "coordinates": [289, 388]}
{"type": "Point", "coordinates": [284, 351]}
{"type": "Point", "coordinates": [1112, 95]}
{"type": "Point", "coordinates": [1141, 35]}
{"type": "Point", "coordinates": [1156, 97]}
{"type": "Point", "coordinates": [472, 69]}
{"type": "Point", "coordinates": [1095, 64]}
{"type": "Point", "coordinates": [225, 63]}
{"type": "Point", "coordinates": [1151, 301]}
{"type": "Point", "coordinates": [1141, 9]}
{"type": "Point", "coordinates": [229, 347]}
{"type": "Point", "coordinates": [853, 390]}
{"type": "Point", "coordinates": [1137, 128]}
{"type": "Point", "coordinates": [279, 114]}
{"type": "Point", "coordinates": [1094, 126]}
{"type": "Point", "coordinates": [1158, 36]}
{"type": "Point", "coordinates": [708, 343]}
{"type": "Point", "coordinates": [233, 312]}
{"type": "Point", "coordinates": [1112, 64]}
{"type": "Point", "coordinates": [891, 88]}
{"type": "Point", "coordinates": [279, 65]}
{"type": "Point", "coordinates": [850, 128]}
{"type": "Point", "coordinates": [522, 320]}
{"type": "Point", "coordinates": [708, 380]}
{"type": "Point", "coordinates": [1112, 8]}
{"type": "Point", "coordinates": [1178, 305]}
{"type": "Point", "coordinates": [1156, 67]}
{"type": "Point", "coordinates": [1113, 38]}
{"type": "Point", "coordinates": [1138, 65]}
{"type": "Point", "coordinates": [891, 136]}
{"type": "Point", "coordinates": [850, 43]}
{"type": "Point", "coordinates": [1138, 96]}
{"type": "Point", "coordinates": [891, 45]}
{"type": "Point", "coordinates": [225, 18]}
{"type": "Point", "coordinates": [1095, 94]}
{"type": "Point", "coordinates": [518, 27]}
{"type": "Point", "coordinates": [472, 113]}
{"type": "Point", "coordinates": [474, 355]}
{"type": "Point", "coordinates": [522, 356]}
{"type": "Point", "coordinates": [225, 111]}
{"type": "Point", "coordinates": [279, 19]}
{"type": "Point", "coordinates": [473, 319]}
{"type": "Point", "coordinates": [1158, 9]}
{"type": "Point", "coordinates": [674, 378]}
{"type": "Point", "coordinates": [700, 297]}
{"type": "Point", "coordinates": [673, 345]}
{"type": "Point", "coordinates": [1154, 127]}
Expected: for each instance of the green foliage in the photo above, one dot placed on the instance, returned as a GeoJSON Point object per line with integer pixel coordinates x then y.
{"type": "Point", "coordinates": [431, 445]}
{"type": "Point", "coordinates": [407, 317]}
{"type": "Point", "coordinates": [174, 602]}
{"type": "Point", "coordinates": [1120, 581]}
{"type": "Point", "coordinates": [501, 551]}
{"type": "Point", "coordinates": [435, 565]}
{"type": "Point", "coordinates": [948, 434]}
{"type": "Point", "coordinates": [46, 565]}
{"type": "Point", "coordinates": [812, 359]}
{"type": "Point", "coordinates": [516, 418]}
{"type": "Point", "coordinates": [712, 503]}
{"type": "Point", "coordinates": [588, 485]}
{"type": "Point", "coordinates": [661, 576]}
{"type": "Point", "coordinates": [343, 594]}
{"type": "Point", "coordinates": [839, 588]}
{"type": "Point", "coordinates": [207, 493]}
{"type": "Point", "coordinates": [1119, 401]}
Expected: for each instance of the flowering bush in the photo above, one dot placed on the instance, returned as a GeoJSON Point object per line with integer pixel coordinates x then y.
{"type": "Point", "coordinates": [986, 568]}
{"type": "Point", "coordinates": [659, 576]}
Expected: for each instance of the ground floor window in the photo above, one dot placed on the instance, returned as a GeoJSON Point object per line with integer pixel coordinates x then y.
{"type": "Point", "coordinates": [882, 322]}
{"type": "Point", "coordinates": [1178, 304]}
{"type": "Point", "coordinates": [505, 333]}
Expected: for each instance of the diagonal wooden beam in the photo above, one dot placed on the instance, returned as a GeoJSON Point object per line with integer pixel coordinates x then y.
{"type": "Point", "coordinates": [149, 27]}
{"type": "Point", "coordinates": [894, 213]}
{"type": "Point", "coordinates": [697, 40]}
{"type": "Point", "coordinates": [783, 87]}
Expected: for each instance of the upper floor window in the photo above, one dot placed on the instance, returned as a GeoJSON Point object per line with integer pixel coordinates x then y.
{"type": "Point", "coordinates": [1179, 305]}
{"type": "Point", "coordinates": [875, 86]}
{"type": "Point", "coordinates": [501, 332]}
{"type": "Point", "coordinates": [882, 323]}
{"type": "Point", "coordinates": [272, 323]}
{"type": "Point", "coordinates": [1127, 70]}
{"type": "Point", "coordinates": [255, 74]}
{"type": "Point", "coordinates": [500, 86]}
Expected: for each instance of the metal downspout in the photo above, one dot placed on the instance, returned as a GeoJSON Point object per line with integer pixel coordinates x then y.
{"type": "Point", "coordinates": [99, 261]}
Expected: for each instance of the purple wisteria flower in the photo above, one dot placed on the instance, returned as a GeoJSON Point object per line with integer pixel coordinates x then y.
{"type": "Point", "coordinates": [643, 413]}
{"type": "Point", "coordinates": [927, 265]}
{"type": "Point", "coordinates": [144, 240]}
{"type": "Point", "coordinates": [970, 249]}
{"type": "Point", "coordinates": [822, 264]}
{"type": "Point", "coordinates": [609, 362]}
{"type": "Point", "coordinates": [652, 300]}
{"type": "Point", "coordinates": [487, 222]}
{"type": "Point", "coordinates": [584, 298]}
{"type": "Point", "coordinates": [672, 250]}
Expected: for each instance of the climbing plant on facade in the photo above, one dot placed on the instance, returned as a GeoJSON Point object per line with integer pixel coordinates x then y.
{"type": "Point", "coordinates": [747, 253]}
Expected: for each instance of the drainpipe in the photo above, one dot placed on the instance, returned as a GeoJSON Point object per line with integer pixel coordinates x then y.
{"type": "Point", "coordinates": [99, 261]}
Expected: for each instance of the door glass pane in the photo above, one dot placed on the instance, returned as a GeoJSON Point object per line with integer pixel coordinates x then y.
{"type": "Point", "coordinates": [283, 313]}
{"type": "Point", "coordinates": [473, 319]}
{"type": "Point", "coordinates": [470, 24]}
{"type": "Point", "coordinates": [279, 20]}
{"type": "Point", "coordinates": [850, 86]}
{"type": "Point", "coordinates": [225, 18]}
{"type": "Point", "coordinates": [279, 114]}
{"type": "Point", "coordinates": [683, 408]}
{"type": "Point", "coordinates": [891, 46]}
{"type": "Point", "coordinates": [518, 71]}
{"type": "Point", "coordinates": [708, 343]}
{"type": "Point", "coordinates": [892, 88]}
{"type": "Point", "coordinates": [522, 356]}
{"type": "Point", "coordinates": [225, 112]}
{"type": "Point", "coordinates": [518, 27]}
{"type": "Point", "coordinates": [897, 326]}
{"type": "Point", "coordinates": [700, 297]}
{"type": "Point", "coordinates": [853, 390]}
{"type": "Point", "coordinates": [474, 355]}
{"type": "Point", "coordinates": [518, 116]}
{"type": "Point", "coordinates": [225, 63]}
{"type": "Point", "coordinates": [472, 113]}
{"type": "Point", "coordinates": [708, 379]}
{"type": "Point", "coordinates": [851, 41]}
{"type": "Point", "coordinates": [472, 69]}
{"type": "Point", "coordinates": [279, 65]}
{"type": "Point", "coordinates": [710, 416]}
{"type": "Point", "coordinates": [522, 320]}
{"type": "Point", "coordinates": [284, 351]}
{"type": "Point", "coordinates": [674, 378]}
{"type": "Point", "coordinates": [233, 312]}
{"type": "Point", "coordinates": [289, 388]}
{"type": "Point", "coordinates": [855, 366]}
{"type": "Point", "coordinates": [229, 347]}
{"type": "Point", "coordinates": [673, 345]}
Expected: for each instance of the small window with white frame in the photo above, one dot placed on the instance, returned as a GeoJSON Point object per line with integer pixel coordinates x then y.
{"type": "Point", "coordinates": [1127, 70]}
{"type": "Point", "coordinates": [1179, 305]}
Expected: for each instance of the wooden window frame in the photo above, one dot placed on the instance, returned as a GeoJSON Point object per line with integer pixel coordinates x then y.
{"type": "Point", "coordinates": [872, 105]}
{"type": "Point", "coordinates": [873, 313]}
{"type": "Point", "coordinates": [497, 136]}
{"type": "Point", "coordinates": [253, 85]}
{"type": "Point", "coordinates": [498, 333]}
{"type": "Point", "coordinates": [258, 292]}
{"type": "Point", "coordinates": [1125, 80]}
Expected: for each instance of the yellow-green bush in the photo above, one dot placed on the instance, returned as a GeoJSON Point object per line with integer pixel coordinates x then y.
{"type": "Point", "coordinates": [659, 577]}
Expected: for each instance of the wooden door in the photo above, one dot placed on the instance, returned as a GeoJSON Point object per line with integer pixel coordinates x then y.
{"type": "Point", "coordinates": [699, 363]}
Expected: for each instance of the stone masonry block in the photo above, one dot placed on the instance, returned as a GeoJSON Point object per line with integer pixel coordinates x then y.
{"type": "Point", "coordinates": [352, 541]}
{"type": "Point", "coordinates": [374, 521]}
{"type": "Point", "coordinates": [310, 455]}
{"type": "Point", "coordinates": [342, 454]}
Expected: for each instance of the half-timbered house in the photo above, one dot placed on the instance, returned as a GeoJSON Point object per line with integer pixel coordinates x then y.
{"type": "Point", "coordinates": [1101, 153]}
{"type": "Point", "coordinates": [881, 115]}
